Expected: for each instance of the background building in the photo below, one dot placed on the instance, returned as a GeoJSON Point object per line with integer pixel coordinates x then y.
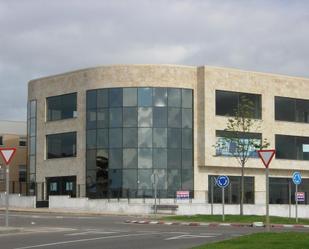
{"type": "Point", "coordinates": [102, 132]}
{"type": "Point", "coordinates": [14, 134]}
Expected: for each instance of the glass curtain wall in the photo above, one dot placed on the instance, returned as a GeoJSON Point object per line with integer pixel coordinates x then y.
{"type": "Point", "coordinates": [134, 133]}
{"type": "Point", "coordinates": [31, 123]}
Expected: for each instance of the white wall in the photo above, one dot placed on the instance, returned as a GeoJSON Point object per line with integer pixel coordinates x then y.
{"type": "Point", "coordinates": [18, 201]}
{"type": "Point", "coordinates": [137, 206]}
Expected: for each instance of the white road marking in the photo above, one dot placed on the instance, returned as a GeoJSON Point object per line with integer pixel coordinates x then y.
{"type": "Point", "coordinates": [189, 236]}
{"type": "Point", "coordinates": [84, 240]}
{"type": "Point", "coordinates": [89, 232]}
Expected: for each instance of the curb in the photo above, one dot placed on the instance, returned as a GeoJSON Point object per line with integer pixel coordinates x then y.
{"type": "Point", "coordinates": [210, 224]}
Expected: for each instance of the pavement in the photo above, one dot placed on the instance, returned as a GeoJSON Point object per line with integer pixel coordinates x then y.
{"type": "Point", "coordinates": [54, 230]}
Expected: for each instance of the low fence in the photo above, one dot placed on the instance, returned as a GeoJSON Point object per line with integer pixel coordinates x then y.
{"type": "Point", "coordinates": [18, 201]}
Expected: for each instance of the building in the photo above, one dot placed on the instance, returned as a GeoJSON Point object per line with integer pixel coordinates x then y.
{"type": "Point", "coordinates": [14, 134]}
{"type": "Point", "coordinates": [106, 131]}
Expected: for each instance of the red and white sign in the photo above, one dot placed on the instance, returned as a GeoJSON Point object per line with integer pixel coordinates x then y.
{"type": "Point", "coordinates": [300, 196]}
{"type": "Point", "coordinates": [266, 156]}
{"type": "Point", "coordinates": [182, 195]}
{"type": "Point", "coordinates": [7, 154]}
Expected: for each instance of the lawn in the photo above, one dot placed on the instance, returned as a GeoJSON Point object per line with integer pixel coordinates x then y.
{"type": "Point", "coordinates": [235, 219]}
{"type": "Point", "coordinates": [286, 240]}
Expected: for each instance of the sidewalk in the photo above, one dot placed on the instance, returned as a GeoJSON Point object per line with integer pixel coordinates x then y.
{"type": "Point", "coordinates": [6, 230]}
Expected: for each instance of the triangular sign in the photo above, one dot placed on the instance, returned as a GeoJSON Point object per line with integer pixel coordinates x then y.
{"type": "Point", "coordinates": [7, 154]}
{"type": "Point", "coordinates": [266, 156]}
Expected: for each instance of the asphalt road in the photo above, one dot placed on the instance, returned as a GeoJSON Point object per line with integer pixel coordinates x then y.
{"type": "Point", "coordinates": [53, 231]}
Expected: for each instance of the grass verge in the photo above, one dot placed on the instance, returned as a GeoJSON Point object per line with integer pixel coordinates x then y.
{"type": "Point", "coordinates": [286, 240]}
{"type": "Point", "coordinates": [235, 219]}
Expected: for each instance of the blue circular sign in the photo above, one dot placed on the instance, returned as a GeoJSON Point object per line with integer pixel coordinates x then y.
{"type": "Point", "coordinates": [296, 178]}
{"type": "Point", "coordinates": [223, 181]}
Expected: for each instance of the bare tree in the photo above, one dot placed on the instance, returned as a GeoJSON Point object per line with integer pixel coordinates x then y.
{"type": "Point", "coordinates": [240, 138]}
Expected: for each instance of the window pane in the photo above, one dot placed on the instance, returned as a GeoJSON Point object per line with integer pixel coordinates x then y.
{"type": "Point", "coordinates": [144, 158]}
{"type": "Point", "coordinates": [102, 98]}
{"type": "Point", "coordinates": [115, 138]}
{"type": "Point", "coordinates": [91, 119]}
{"type": "Point", "coordinates": [173, 179]}
{"type": "Point", "coordinates": [174, 117]}
{"type": "Point", "coordinates": [145, 117]}
{"type": "Point", "coordinates": [91, 139]}
{"type": "Point", "coordinates": [302, 148]}
{"type": "Point", "coordinates": [302, 111]}
{"type": "Point", "coordinates": [255, 100]}
{"type": "Point", "coordinates": [187, 138]}
{"type": "Point", "coordinates": [115, 178]}
{"type": "Point", "coordinates": [160, 158]}
{"type": "Point", "coordinates": [115, 158]}
{"type": "Point", "coordinates": [144, 137]}
{"type": "Point", "coordinates": [115, 97]}
{"type": "Point", "coordinates": [173, 138]}
{"type": "Point", "coordinates": [174, 158]}
{"type": "Point", "coordinates": [32, 145]}
{"type": "Point", "coordinates": [187, 160]}
{"type": "Point", "coordinates": [61, 107]}
{"type": "Point", "coordinates": [129, 117]}
{"type": "Point", "coordinates": [129, 179]}
{"type": "Point", "coordinates": [91, 160]}
{"type": "Point", "coordinates": [54, 108]}
{"type": "Point", "coordinates": [144, 96]}
{"type": "Point", "coordinates": [226, 103]}
{"type": "Point", "coordinates": [159, 117]}
{"type": "Point", "coordinates": [32, 127]}
{"type": "Point", "coordinates": [130, 158]}
{"type": "Point", "coordinates": [160, 137]}
{"type": "Point", "coordinates": [102, 138]}
{"type": "Point", "coordinates": [284, 109]}
{"type": "Point", "coordinates": [186, 98]}
{"type": "Point", "coordinates": [115, 117]}
{"type": "Point", "coordinates": [102, 159]}
{"type": "Point", "coordinates": [61, 145]}
{"type": "Point", "coordinates": [174, 97]}
{"type": "Point", "coordinates": [32, 164]}
{"type": "Point", "coordinates": [102, 118]}
{"type": "Point", "coordinates": [129, 97]}
{"type": "Point", "coordinates": [91, 99]}
{"type": "Point", "coordinates": [130, 137]}
{"type": "Point", "coordinates": [160, 97]}
{"type": "Point", "coordinates": [161, 177]}
{"type": "Point", "coordinates": [144, 179]}
{"type": "Point", "coordinates": [187, 179]}
{"type": "Point", "coordinates": [33, 109]}
{"type": "Point", "coordinates": [285, 147]}
{"type": "Point", "coordinates": [186, 118]}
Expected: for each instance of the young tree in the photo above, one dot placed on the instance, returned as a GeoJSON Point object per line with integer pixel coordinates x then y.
{"type": "Point", "coordinates": [240, 138]}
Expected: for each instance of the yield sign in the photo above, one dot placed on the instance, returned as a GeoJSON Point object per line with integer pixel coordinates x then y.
{"type": "Point", "coordinates": [7, 154]}
{"type": "Point", "coordinates": [266, 156]}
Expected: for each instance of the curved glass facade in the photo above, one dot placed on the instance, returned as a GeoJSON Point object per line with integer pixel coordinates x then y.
{"type": "Point", "coordinates": [134, 133]}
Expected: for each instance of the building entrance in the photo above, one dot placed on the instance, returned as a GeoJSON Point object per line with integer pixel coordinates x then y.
{"type": "Point", "coordinates": [64, 185]}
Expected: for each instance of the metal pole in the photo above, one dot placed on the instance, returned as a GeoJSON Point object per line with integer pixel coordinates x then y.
{"type": "Point", "coordinates": [212, 195]}
{"type": "Point", "coordinates": [7, 196]}
{"type": "Point", "coordinates": [290, 199]}
{"type": "Point", "coordinates": [267, 200]}
{"type": "Point", "coordinates": [155, 189]}
{"type": "Point", "coordinates": [223, 218]}
{"type": "Point", "coordinates": [296, 202]}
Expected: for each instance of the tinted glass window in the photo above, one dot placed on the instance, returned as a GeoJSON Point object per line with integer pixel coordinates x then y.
{"type": "Point", "coordinates": [145, 96]}
{"type": "Point", "coordinates": [61, 145]}
{"type": "Point", "coordinates": [292, 147]}
{"type": "Point", "coordinates": [159, 117]}
{"type": "Point", "coordinates": [102, 138]}
{"type": "Point", "coordinates": [129, 117]}
{"type": "Point", "coordinates": [61, 107]}
{"type": "Point", "coordinates": [115, 117]}
{"type": "Point", "coordinates": [186, 98]}
{"type": "Point", "coordinates": [160, 97]}
{"type": "Point", "coordinates": [144, 117]}
{"type": "Point", "coordinates": [144, 137]}
{"type": "Point", "coordinates": [130, 137]}
{"type": "Point", "coordinates": [130, 158]}
{"type": "Point", "coordinates": [160, 137]}
{"type": "Point", "coordinates": [115, 158]}
{"type": "Point", "coordinates": [160, 158]}
{"type": "Point", "coordinates": [92, 99]}
{"type": "Point", "coordinates": [129, 97]}
{"type": "Point", "coordinates": [174, 117]}
{"type": "Point", "coordinates": [145, 158]}
{"type": "Point", "coordinates": [174, 138]}
{"type": "Point", "coordinates": [102, 118]}
{"type": "Point", "coordinates": [115, 138]}
{"type": "Point", "coordinates": [102, 98]}
{"type": "Point", "coordinates": [115, 97]}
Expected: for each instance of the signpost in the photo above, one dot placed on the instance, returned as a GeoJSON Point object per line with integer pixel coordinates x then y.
{"type": "Point", "coordinates": [154, 180]}
{"type": "Point", "coordinates": [297, 180]}
{"type": "Point", "coordinates": [266, 157]}
{"type": "Point", "coordinates": [223, 182]}
{"type": "Point", "coordinates": [7, 155]}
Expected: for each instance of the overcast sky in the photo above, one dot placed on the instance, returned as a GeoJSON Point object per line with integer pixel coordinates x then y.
{"type": "Point", "coordinates": [44, 37]}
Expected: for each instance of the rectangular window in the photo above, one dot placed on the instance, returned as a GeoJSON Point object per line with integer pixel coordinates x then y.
{"type": "Point", "coordinates": [292, 147]}
{"type": "Point", "coordinates": [228, 143]}
{"type": "Point", "coordinates": [22, 173]}
{"type": "Point", "coordinates": [61, 145]}
{"type": "Point", "coordinates": [22, 141]}
{"type": "Point", "coordinates": [289, 109]}
{"type": "Point", "coordinates": [232, 191]}
{"type": "Point", "coordinates": [1, 140]}
{"type": "Point", "coordinates": [227, 103]}
{"type": "Point", "coordinates": [61, 107]}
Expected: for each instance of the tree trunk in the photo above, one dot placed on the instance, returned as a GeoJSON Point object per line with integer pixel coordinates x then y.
{"type": "Point", "coordinates": [242, 189]}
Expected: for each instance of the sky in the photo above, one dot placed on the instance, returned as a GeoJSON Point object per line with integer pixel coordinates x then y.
{"type": "Point", "coordinates": [45, 37]}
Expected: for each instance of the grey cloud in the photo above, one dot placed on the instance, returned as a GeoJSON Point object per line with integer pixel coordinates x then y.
{"type": "Point", "coordinates": [42, 37]}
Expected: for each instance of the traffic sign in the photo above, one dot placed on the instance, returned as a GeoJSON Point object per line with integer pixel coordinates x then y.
{"type": "Point", "coordinates": [266, 156]}
{"type": "Point", "coordinates": [7, 154]}
{"type": "Point", "coordinates": [296, 178]}
{"type": "Point", "coordinates": [223, 181]}
{"type": "Point", "coordinates": [300, 196]}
